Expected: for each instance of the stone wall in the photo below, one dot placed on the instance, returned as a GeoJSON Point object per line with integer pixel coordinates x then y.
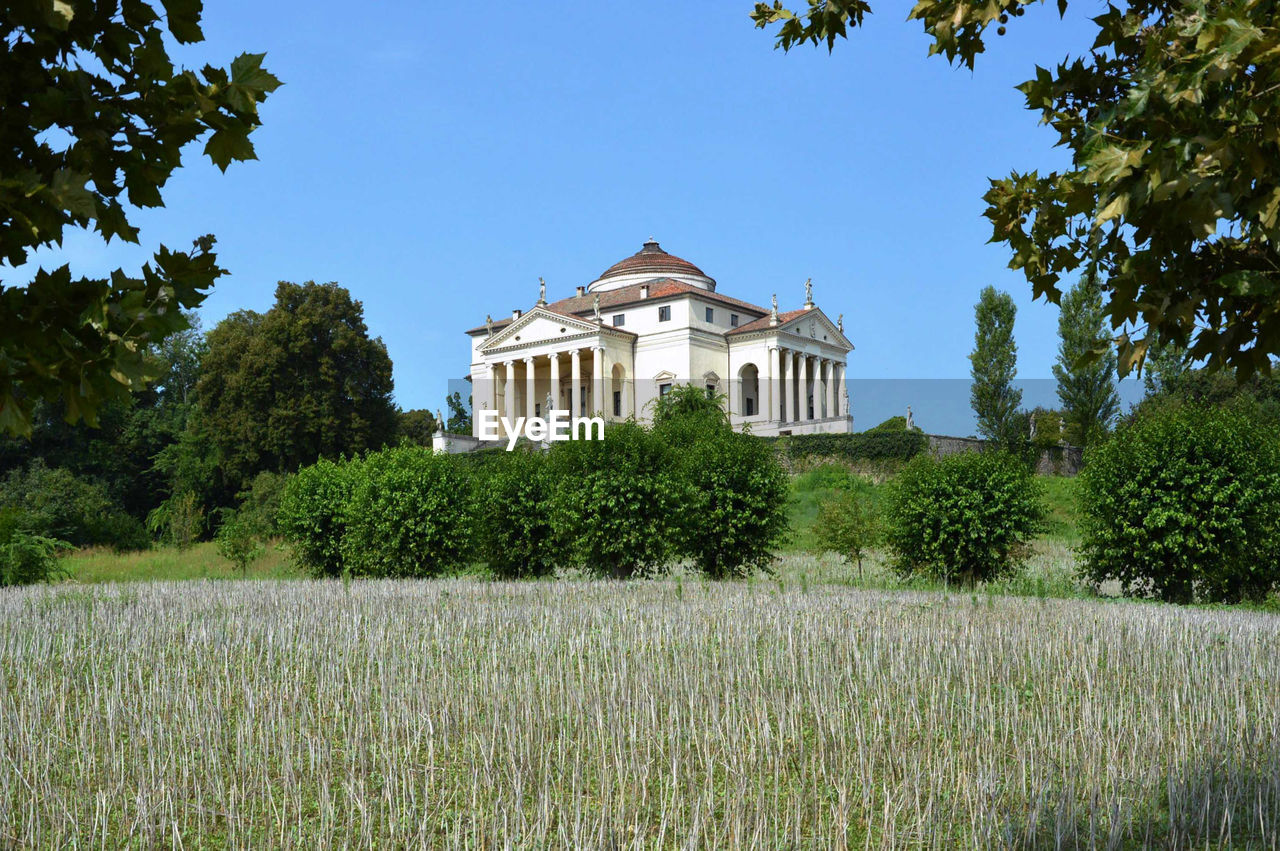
{"type": "Point", "coordinates": [1060, 460]}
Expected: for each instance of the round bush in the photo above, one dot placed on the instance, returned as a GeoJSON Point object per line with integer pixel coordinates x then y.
{"type": "Point", "coordinates": [615, 502]}
{"type": "Point", "coordinates": [410, 515]}
{"type": "Point", "coordinates": [513, 528]}
{"type": "Point", "coordinates": [736, 510]}
{"type": "Point", "coordinates": [1184, 504]}
{"type": "Point", "coordinates": [312, 514]}
{"type": "Point", "coordinates": [963, 517]}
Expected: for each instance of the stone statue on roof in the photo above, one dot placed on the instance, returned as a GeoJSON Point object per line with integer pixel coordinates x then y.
{"type": "Point", "coordinates": [840, 323]}
{"type": "Point", "coordinates": [773, 313]}
{"type": "Point", "coordinates": [542, 291]}
{"type": "Point", "coordinates": [808, 292]}
{"type": "Point", "coordinates": [488, 324]}
{"type": "Point", "coordinates": [595, 307]}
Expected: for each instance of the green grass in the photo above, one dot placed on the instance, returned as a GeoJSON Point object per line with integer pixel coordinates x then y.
{"type": "Point", "coordinates": [99, 564]}
{"type": "Point", "coordinates": [1063, 517]}
{"type": "Point", "coordinates": [808, 492]}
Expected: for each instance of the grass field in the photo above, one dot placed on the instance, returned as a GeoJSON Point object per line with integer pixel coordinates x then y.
{"type": "Point", "coordinates": [639, 714]}
{"type": "Point", "coordinates": [201, 561]}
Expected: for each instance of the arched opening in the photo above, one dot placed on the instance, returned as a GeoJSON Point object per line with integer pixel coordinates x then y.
{"type": "Point", "coordinates": [749, 390]}
{"type": "Point", "coordinates": [618, 397]}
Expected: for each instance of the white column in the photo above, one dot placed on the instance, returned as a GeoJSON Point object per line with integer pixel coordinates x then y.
{"type": "Point", "coordinates": [597, 379]}
{"type": "Point", "coordinates": [555, 382]}
{"type": "Point", "coordinates": [487, 392]}
{"type": "Point", "coordinates": [796, 387]}
{"type": "Point", "coordinates": [842, 409]}
{"type": "Point", "coordinates": [784, 370]}
{"type": "Point", "coordinates": [529, 393]}
{"type": "Point", "coordinates": [820, 383]}
{"type": "Point", "coordinates": [769, 393]}
{"type": "Point", "coordinates": [832, 398]}
{"type": "Point", "coordinates": [802, 402]}
{"type": "Point", "coordinates": [575, 388]}
{"type": "Point", "coordinates": [509, 389]}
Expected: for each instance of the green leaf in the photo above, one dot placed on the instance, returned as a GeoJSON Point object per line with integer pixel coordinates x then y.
{"type": "Point", "coordinates": [229, 144]}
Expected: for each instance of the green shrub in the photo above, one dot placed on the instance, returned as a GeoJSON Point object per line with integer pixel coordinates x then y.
{"type": "Point", "coordinates": [313, 514]}
{"type": "Point", "coordinates": [238, 540]}
{"type": "Point", "coordinates": [27, 557]}
{"type": "Point", "coordinates": [896, 423]}
{"type": "Point", "coordinates": [411, 515]}
{"type": "Point", "coordinates": [260, 502]}
{"type": "Point", "coordinates": [848, 524]}
{"type": "Point", "coordinates": [615, 501]}
{"type": "Point", "coordinates": [967, 516]}
{"type": "Point", "coordinates": [179, 520]}
{"type": "Point", "coordinates": [58, 505]}
{"type": "Point", "coordinates": [1184, 504]}
{"type": "Point", "coordinates": [736, 495]}
{"type": "Point", "coordinates": [731, 495]}
{"type": "Point", "coordinates": [513, 528]}
{"type": "Point", "coordinates": [688, 412]}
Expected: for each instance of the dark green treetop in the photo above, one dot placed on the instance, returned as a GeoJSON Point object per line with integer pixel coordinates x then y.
{"type": "Point", "coordinates": [994, 365]}
{"type": "Point", "coordinates": [302, 381]}
{"type": "Point", "coordinates": [1086, 367]}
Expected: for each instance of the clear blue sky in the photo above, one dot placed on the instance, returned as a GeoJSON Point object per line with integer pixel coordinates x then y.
{"type": "Point", "coordinates": [436, 159]}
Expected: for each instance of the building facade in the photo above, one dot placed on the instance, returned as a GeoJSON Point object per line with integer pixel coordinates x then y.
{"type": "Point", "coordinates": [652, 321]}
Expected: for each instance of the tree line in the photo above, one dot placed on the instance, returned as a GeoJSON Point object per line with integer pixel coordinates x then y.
{"type": "Point", "coordinates": [231, 414]}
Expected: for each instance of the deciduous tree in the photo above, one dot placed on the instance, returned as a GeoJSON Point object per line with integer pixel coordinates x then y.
{"type": "Point", "coordinates": [302, 381]}
{"type": "Point", "coordinates": [1173, 190]}
{"type": "Point", "coordinates": [93, 119]}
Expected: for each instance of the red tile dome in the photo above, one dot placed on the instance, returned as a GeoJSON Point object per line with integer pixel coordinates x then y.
{"type": "Point", "coordinates": [653, 262]}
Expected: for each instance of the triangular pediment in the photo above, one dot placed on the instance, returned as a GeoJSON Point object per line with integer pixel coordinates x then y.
{"type": "Point", "coordinates": [813, 324]}
{"type": "Point", "coordinates": [538, 326]}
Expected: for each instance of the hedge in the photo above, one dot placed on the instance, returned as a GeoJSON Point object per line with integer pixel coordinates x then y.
{"type": "Point", "coordinates": [862, 446]}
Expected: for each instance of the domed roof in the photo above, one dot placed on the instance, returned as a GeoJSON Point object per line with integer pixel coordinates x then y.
{"type": "Point", "coordinates": [651, 262]}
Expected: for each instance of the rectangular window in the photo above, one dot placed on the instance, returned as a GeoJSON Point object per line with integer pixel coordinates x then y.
{"type": "Point", "coordinates": [751, 406]}
{"type": "Point", "coordinates": [663, 390]}
{"type": "Point", "coordinates": [664, 313]}
{"type": "Point", "coordinates": [711, 314]}
{"type": "Point", "coordinates": [711, 391]}
{"type": "Point", "coordinates": [619, 319]}
{"type": "Point", "coordinates": [617, 403]}
{"type": "Point", "coordinates": [733, 320]}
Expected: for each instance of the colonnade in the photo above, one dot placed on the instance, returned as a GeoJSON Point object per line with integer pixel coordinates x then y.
{"type": "Point", "coordinates": [808, 386]}
{"type": "Point", "coordinates": [584, 398]}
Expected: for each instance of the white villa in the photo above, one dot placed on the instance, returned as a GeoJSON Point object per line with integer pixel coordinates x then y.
{"type": "Point", "coordinates": [647, 323]}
